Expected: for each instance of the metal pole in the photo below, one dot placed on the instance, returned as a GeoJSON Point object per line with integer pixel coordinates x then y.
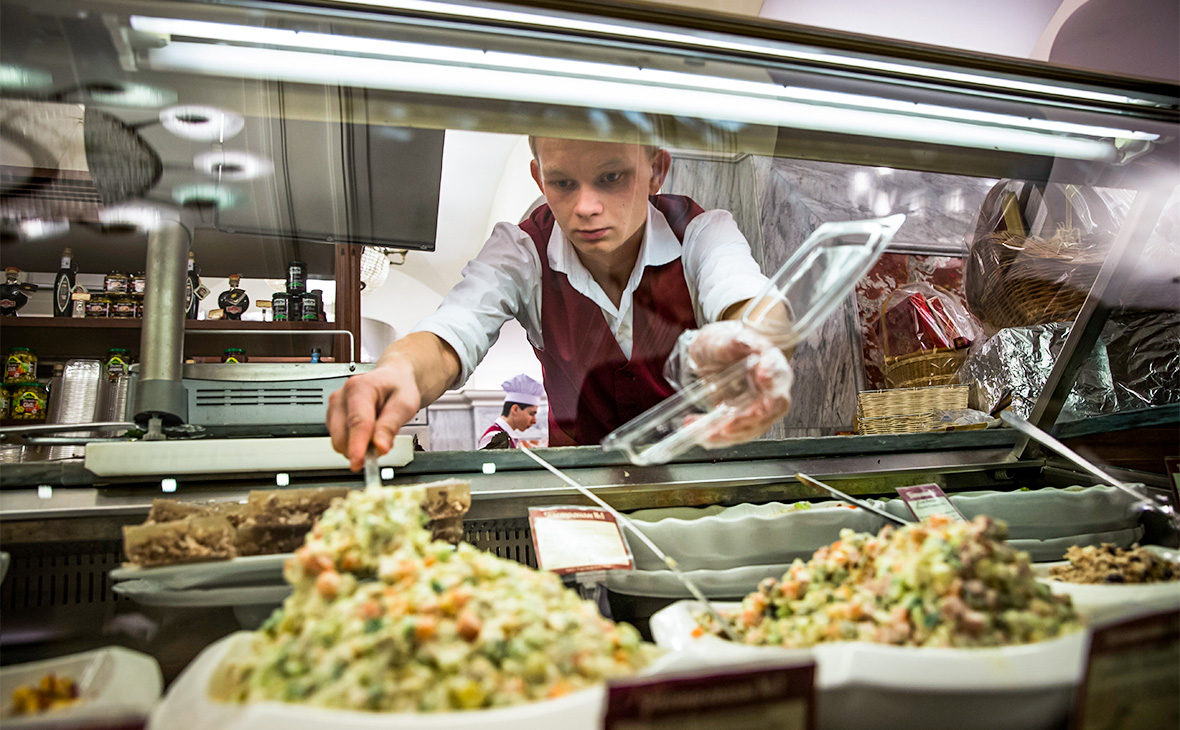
{"type": "Point", "coordinates": [160, 393]}
{"type": "Point", "coordinates": [1104, 295]}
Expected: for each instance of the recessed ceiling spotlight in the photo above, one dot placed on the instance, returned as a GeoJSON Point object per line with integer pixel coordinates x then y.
{"type": "Point", "coordinates": [232, 165]}
{"type": "Point", "coordinates": [121, 93]}
{"type": "Point", "coordinates": [36, 229]}
{"type": "Point", "coordinates": [13, 76]}
{"type": "Point", "coordinates": [142, 216]}
{"type": "Point", "coordinates": [202, 123]}
{"type": "Point", "coordinates": [218, 196]}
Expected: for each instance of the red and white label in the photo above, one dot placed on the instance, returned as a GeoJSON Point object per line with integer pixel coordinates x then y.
{"type": "Point", "coordinates": [578, 539]}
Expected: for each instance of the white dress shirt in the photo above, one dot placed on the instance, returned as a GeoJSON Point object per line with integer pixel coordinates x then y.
{"type": "Point", "coordinates": [504, 281]}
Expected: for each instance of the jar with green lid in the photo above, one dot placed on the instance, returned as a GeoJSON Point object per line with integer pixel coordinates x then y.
{"type": "Point", "coordinates": [234, 354]}
{"type": "Point", "coordinates": [99, 305]}
{"type": "Point", "coordinates": [30, 401]}
{"type": "Point", "coordinates": [5, 402]}
{"type": "Point", "coordinates": [122, 306]}
{"type": "Point", "coordinates": [118, 361]}
{"type": "Point", "coordinates": [20, 366]}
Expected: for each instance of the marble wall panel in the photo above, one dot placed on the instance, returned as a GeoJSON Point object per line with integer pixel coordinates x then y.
{"type": "Point", "coordinates": [452, 429]}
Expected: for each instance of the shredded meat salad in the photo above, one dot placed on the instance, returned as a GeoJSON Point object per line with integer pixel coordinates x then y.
{"type": "Point", "coordinates": [384, 618]}
{"type": "Point", "coordinates": [1112, 564]}
{"type": "Point", "coordinates": [937, 583]}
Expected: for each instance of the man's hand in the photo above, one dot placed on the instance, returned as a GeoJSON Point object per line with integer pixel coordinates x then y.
{"type": "Point", "coordinates": [760, 399]}
{"type": "Point", "coordinates": [371, 408]}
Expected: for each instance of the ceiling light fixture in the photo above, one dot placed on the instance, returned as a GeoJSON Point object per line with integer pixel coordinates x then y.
{"type": "Point", "coordinates": [702, 100]}
{"type": "Point", "coordinates": [232, 165]}
{"type": "Point", "coordinates": [202, 123]}
{"type": "Point", "coordinates": [714, 41]}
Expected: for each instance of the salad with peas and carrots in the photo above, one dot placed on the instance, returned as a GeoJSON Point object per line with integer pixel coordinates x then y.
{"type": "Point", "coordinates": [938, 583]}
{"type": "Point", "coordinates": [384, 618]}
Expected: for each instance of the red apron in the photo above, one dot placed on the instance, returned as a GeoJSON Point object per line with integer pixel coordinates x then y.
{"type": "Point", "coordinates": [591, 386]}
{"type": "Point", "coordinates": [497, 428]}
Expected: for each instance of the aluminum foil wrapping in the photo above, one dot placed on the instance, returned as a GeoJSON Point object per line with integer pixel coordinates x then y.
{"type": "Point", "coordinates": [1135, 364]}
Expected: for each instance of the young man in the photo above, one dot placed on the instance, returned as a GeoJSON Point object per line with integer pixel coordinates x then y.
{"type": "Point", "coordinates": [608, 278]}
{"type": "Point", "coordinates": [522, 395]}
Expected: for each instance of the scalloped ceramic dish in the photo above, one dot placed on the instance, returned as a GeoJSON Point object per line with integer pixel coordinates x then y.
{"type": "Point", "coordinates": [1051, 512]}
{"type": "Point", "coordinates": [1105, 601]}
{"type": "Point", "coordinates": [117, 688]}
{"type": "Point", "coordinates": [747, 534]}
{"type": "Point", "coordinates": [863, 685]}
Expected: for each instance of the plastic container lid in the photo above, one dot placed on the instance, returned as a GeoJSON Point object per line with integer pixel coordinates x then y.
{"type": "Point", "coordinates": [810, 285]}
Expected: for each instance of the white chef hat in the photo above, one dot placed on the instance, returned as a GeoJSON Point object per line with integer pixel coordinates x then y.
{"type": "Point", "coordinates": [522, 389]}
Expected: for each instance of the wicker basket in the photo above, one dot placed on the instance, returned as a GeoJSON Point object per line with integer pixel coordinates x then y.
{"type": "Point", "coordinates": [1013, 281]}
{"type": "Point", "coordinates": [909, 423]}
{"type": "Point", "coordinates": [909, 401]}
{"type": "Point", "coordinates": [924, 368]}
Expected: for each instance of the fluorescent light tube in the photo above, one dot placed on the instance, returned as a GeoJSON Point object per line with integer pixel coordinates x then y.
{"type": "Point", "coordinates": [528, 86]}
{"type": "Point", "coordinates": [554, 66]}
{"type": "Point", "coordinates": [716, 42]}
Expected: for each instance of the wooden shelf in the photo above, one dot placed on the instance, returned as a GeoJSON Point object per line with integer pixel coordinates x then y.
{"type": "Point", "coordinates": [189, 324]}
{"type": "Point", "coordinates": [59, 338]}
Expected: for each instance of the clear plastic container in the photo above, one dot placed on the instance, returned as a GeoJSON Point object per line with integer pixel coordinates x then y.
{"type": "Point", "coordinates": [807, 288]}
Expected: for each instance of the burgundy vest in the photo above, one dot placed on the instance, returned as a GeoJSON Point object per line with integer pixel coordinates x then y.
{"type": "Point", "coordinates": [592, 387]}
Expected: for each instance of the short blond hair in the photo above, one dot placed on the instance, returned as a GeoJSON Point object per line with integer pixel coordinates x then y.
{"type": "Point", "coordinates": [651, 149]}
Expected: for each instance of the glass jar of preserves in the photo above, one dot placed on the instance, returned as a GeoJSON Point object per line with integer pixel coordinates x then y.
{"type": "Point", "coordinates": [116, 282]}
{"type": "Point", "coordinates": [30, 401]}
{"type": "Point", "coordinates": [280, 306]}
{"type": "Point", "coordinates": [118, 361]}
{"type": "Point", "coordinates": [296, 277]}
{"type": "Point", "coordinates": [99, 305]}
{"type": "Point", "coordinates": [234, 354]}
{"type": "Point", "coordinates": [138, 302]}
{"type": "Point", "coordinates": [138, 283]}
{"type": "Point", "coordinates": [122, 306]}
{"type": "Point", "coordinates": [20, 366]}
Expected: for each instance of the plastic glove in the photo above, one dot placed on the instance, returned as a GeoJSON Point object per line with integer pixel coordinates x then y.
{"type": "Point", "coordinates": [753, 404]}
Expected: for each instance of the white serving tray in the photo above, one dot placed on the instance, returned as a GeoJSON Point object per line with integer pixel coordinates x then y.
{"type": "Point", "coordinates": [115, 684]}
{"type": "Point", "coordinates": [1100, 602]}
{"type": "Point", "coordinates": [248, 570]}
{"type": "Point", "coordinates": [1053, 549]}
{"type": "Point", "coordinates": [1050, 512]}
{"type": "Point", "coordinates": [747, 534]}
{"type": "Point", "coordinates": [1055, 663]}
{"type": "Point", "coordinates": [204, 456]}
{"type": "Point", "coordinates": [149, 593]}
{"type": "Point", "coordinates": [861, 685]}
{"type": "Point", "coordinates": [189, 705]}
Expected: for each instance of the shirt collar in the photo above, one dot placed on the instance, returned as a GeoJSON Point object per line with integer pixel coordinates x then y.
{"type": "Point", "coordinates": [660, 246]}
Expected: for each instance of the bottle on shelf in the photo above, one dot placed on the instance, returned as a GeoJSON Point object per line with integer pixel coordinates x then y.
{"type": "Point", "coordinates": [234, 301]}
{"type": "Point", "coordinates": [13, 294]}
{"type": "Point", "coordinates": [192, 302]}
{"type": "Point", "coordinates": [315, 355]}
{"type": "Point", "coordinates": [63, 285]}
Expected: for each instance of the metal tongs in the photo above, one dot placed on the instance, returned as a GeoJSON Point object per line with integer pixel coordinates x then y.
{"type": "Point", "coordinates": [626, 522]}
{"type": "Point", "coordinates": [850, 499]}
{"type": "Point", "coordinates": [1146, 501]}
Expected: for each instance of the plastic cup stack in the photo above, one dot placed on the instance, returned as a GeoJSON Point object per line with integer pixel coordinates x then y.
{"type": "Point", "coordinates": [74, 400]}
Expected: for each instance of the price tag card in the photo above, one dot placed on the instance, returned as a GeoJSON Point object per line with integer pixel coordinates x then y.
{"type": "Point", "coordinates": [928, 499]}
{"type": "Point", "coordinates": [781, 697]}
{"type": "Point", "coordinates": [79, 294]}
{"type": "Point", "coordinates": [578, 539]}
{"type": "Point", "coordinates": [202, 291]}
{"type": "Point", "coordinates": [1132, 676]}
